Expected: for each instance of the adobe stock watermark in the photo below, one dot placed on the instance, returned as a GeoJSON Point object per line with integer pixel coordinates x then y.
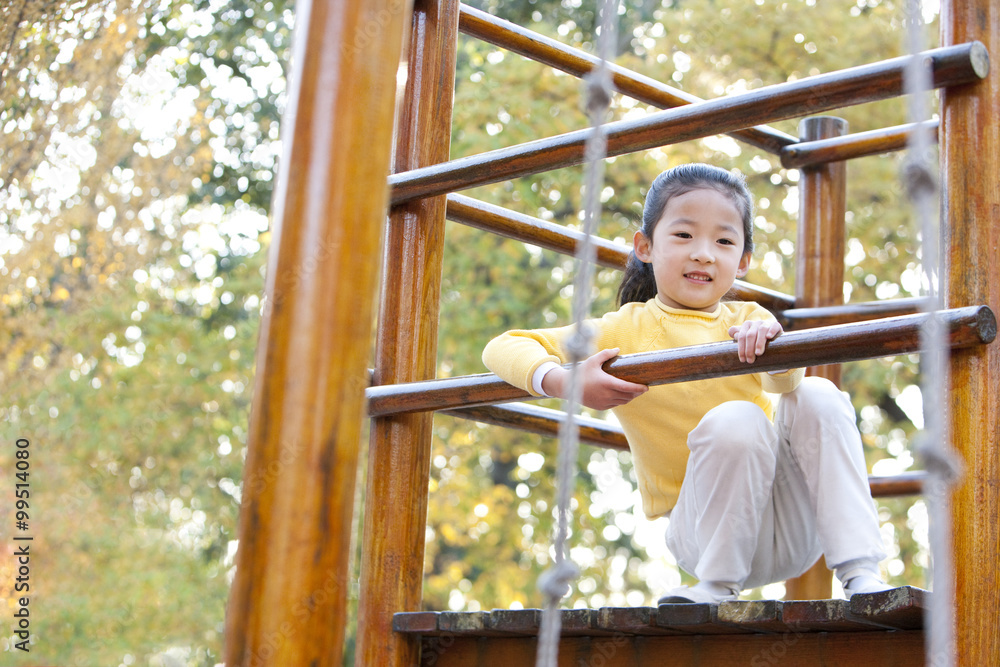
{"type": "Point", "coordinates": [373, 30]}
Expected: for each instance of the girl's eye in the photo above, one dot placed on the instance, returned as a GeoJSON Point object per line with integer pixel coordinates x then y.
{"type": "Point", "coordinates": [682, 235]}
{"type": "Point", "coordinates": [726, 242]}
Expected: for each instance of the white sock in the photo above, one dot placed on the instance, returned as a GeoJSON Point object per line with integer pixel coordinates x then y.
{"type": "Point", "coordinates": [857, 568]}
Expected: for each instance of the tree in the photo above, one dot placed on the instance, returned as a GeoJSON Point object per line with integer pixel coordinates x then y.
{"type": "Point", "coordinates": [133, 223]}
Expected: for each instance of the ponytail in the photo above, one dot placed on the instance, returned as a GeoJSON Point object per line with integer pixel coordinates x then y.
{"type": "Point", "coordinates": [638, 283]}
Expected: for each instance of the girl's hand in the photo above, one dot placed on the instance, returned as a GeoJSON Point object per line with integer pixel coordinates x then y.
{"type": "Point", "coordinates": [751, 337]}
{"type": "Point", "coordinates": [601, 391]}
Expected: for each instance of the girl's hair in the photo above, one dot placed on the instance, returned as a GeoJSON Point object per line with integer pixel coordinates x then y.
{"type": "Point", "coordinates": [638, 283]}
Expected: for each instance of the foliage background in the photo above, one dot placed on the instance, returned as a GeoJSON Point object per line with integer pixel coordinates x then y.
{"type": "Point", "coordinates": [140, 142]}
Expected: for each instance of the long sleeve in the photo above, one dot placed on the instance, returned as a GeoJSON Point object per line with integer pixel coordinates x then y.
{"type": "Point", "coordinates": [515, 355]}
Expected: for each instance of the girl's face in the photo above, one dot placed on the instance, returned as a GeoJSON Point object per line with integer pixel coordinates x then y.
{"type": "Point", "coordinates": [696, 250]}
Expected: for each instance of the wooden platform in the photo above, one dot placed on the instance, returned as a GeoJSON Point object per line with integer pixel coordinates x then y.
{"type": "Point", "coordinates": [886, 628]}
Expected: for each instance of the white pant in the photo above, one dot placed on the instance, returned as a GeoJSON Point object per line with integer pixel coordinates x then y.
{"type": "Point", "coordinates": [760, 502]}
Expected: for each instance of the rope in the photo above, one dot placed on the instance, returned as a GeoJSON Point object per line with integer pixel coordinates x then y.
{"type": "Point", "coordinates": [933, 446]}
{"type": "Point", "coordinates": [555, 582]}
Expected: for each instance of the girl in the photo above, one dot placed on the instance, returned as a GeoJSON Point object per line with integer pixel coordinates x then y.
{"type": "Point", "coordinates": [755, 493]}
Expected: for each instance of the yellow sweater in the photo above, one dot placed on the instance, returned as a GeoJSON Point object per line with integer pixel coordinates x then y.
{"type": "Point", "coordinates": [657, 423]}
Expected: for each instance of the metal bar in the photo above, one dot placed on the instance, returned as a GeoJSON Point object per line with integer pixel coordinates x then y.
{"type": "Point", "coordinates": [950, 66]}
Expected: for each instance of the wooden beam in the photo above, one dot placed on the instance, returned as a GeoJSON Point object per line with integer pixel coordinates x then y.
{"type": "Point", "coordinates": [399, 455]}
{"type": "Point", "coordinates": [551, 236]}
{"type": "Point", "coordinates": [815, 152]}
{"type": "Point", "coordinates": [545, 421]}
{"type": "Point", "coordinates": [540, 48]}
{"type": "Point", "coordinates": [867, 83]}
{"type": "Point", "coordinates": [970, 162]}
{"type": "Point", "coordinates": [807, 318]}
{"type": "Point", "coordinates": [289, 595]}
{"type": "Point", "coordinates": [973, 325]}
{"type": "Point", "coordinates": [819, 279]}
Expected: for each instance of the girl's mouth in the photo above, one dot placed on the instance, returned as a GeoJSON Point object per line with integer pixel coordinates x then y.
{"type": "Point", "coordinates": [699, 277]}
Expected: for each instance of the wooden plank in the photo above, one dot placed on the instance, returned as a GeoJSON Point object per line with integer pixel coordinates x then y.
{"type": "Point", "coordinates": [846, 342]}
{"type": "Point", "coordinates": [630, 621]}
{"type": "Point", "coordinates": [289, 595]}
{"type": "Point", "coordinates": [581, 623]}
{"type": "Point", "coordinates": [755, 615]}
{"type": "Point", "coordinates": [523, 622]}
{"type": "Point", "coordinates": [970, 160]}
{"type": "Point", "coordinates": [824, 616]}
{"type": "Point", "coordinates": [861, 144]}
{"type": "Point", "coordinates": [573, 61]}
{"type": "Point", "coordinates": [842, 649]}
{"type": "Point", "coordinates": [867, 83]}
{"type": "Point", "coordinates": [901, 608]}
{"type": "Point", "coordinates": [416, 622]}
{"type": "Point", "coordinates": [695, 619]}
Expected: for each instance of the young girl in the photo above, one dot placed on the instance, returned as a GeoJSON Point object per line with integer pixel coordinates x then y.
{"type": "Point", "coordinates": [755, 492]}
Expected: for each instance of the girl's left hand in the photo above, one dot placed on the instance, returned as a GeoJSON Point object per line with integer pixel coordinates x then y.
{"type": "Point", "coordinates": [751, 337]}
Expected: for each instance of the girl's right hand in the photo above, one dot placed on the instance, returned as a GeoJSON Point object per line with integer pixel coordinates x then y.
{"type": "Point", "coordinates": [601, 391]}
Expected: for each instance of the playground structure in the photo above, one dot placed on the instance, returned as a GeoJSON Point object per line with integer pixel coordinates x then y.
{"type": "Point", "coordinates": [289, 597]}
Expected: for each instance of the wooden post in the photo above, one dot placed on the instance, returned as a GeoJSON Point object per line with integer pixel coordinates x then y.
{"type": "Point", "coordinates": [819, 278]}
{"type": "Point", "coordinates": [406, 349]}
{"type": "Point", "coordinates": [289, 595]}
{"type": "Point", "coordinates": [970, 164]}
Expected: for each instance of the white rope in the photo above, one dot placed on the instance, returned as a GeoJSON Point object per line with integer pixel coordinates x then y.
{"type": "Point", "coordinates": [555, 582]}
{"type": "Point", "coordinates": [933, 445]}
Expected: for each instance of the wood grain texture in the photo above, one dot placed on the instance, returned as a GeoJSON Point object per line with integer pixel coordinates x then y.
{"type": "Point", "coordinates": [968, 326]}
{"type": "Point", "coordinates": [548, 235]}
{"type": "Point", "coordinates": [550, 52]}
{"type": "Point", "coordinates": [815, 152]}
{"type": "Point", "coordinates": [786, 649]}
{"type": "Point", "coordinates": [819, 279]}
{"type": "Point", "coordinates": [392, 556]}
{"type": "Point", "coordinates": [810, 95]}
{"type": "Point", "coordinates": [290, 591]}
{"type": "Point", "coordinates": [970, 162]}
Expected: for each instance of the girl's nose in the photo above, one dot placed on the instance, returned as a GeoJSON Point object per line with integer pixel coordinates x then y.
{"type": "Point", "coordinates": [702, 252]}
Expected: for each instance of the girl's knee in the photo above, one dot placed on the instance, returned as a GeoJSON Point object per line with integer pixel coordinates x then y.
{"type": "Point", "coordinates": [817, 395]}
{"type": "Point", "coordinates": [734, 428]}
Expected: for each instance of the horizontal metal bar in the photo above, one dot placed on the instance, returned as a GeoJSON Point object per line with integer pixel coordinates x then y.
{"type": "Point", "coordinates": [547, 51]}
{"type": "Point", "coordinates": [859, 144]}
{"type": "Point", "coordinates": [950, 65]}
{"type": "Point", "coordinates": [968, 326]}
